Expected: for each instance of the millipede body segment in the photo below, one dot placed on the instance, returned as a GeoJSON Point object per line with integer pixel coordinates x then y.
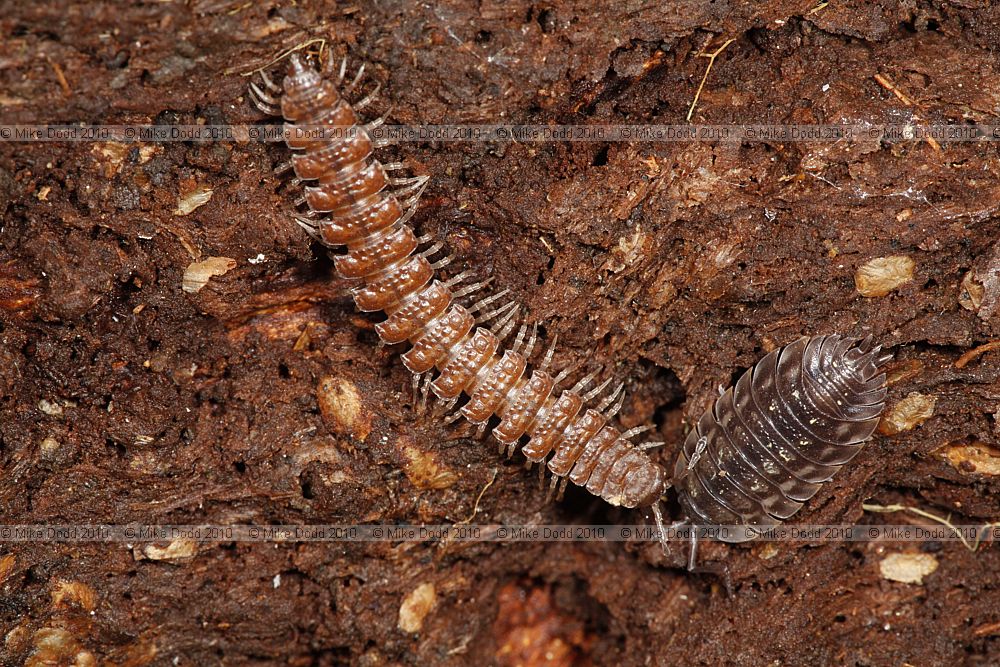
{"type": "Point", "coordinates": [447, 342]}
{"type": "Point", "coordinates": [753, 459]}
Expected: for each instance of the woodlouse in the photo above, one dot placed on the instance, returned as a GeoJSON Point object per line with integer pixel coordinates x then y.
{"type": "Point", "coordinates": [789, 424]}
{"type": "Point", "coordinates": [753, 459]}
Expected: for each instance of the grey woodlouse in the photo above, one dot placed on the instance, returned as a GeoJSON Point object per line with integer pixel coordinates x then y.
{"type": "Point", "coordinates": [753, 459]}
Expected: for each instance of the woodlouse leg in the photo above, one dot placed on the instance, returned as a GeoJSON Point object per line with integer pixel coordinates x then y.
{"type": "Point", "coordinates": [699, 449]}
{"type": "Point", "coordinates": [658, 518]}
{"type": "Point", "coordinates": [481, 430]}
{"type": "Point", "coordinates": [719, 570]}
{"type": "Point", "coordinates": [282, 168]}
{"type": "Point", "coordinates": [394, 166]}
{"type": "Point", "coordinates": [562, 489]}
{"type": "Point", "coordinates": [651, 445]}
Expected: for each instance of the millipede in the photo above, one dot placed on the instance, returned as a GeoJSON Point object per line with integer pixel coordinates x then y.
{"type": "Point", "coordinates": [752, 459]}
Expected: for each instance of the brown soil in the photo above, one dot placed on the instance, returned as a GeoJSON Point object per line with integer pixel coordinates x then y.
{"type": "Point", "coordinates": [672, 266]}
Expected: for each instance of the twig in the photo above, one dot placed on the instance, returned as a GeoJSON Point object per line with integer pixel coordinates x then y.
{"type": "Point", "coordinates": [60, 77]}
{"type": "Point", "coordinates": [944, 521]}
{"type": "Point", "coordinates": [888, 85]}
{"type": "Point", "coordinates": [976, 352]}
{"type": "Point", "coordinates": [711, 61]}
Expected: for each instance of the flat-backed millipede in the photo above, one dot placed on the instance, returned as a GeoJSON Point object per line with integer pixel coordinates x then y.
{"type": "Point", "coordinates": [753, 459]}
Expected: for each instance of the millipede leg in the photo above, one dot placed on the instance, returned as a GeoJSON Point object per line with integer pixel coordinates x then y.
{"type": "Point", "coordinates": [614, 409]}
{"type": "Point", "coordinates": [369, 98]}
{"type": "Point", "coordinates": [549, 353]}
{"type": "Point", "coordinates": [454, 280]}
{"type": "Point", "coordinates": [617, 394]}
{"type": "Point", "coordinates": [469, 289]}
{"type": "Point", "coordinates": [445, 407]}
{"type": "Point", "coordinates": [269, 84]}
{"type": "Point", "coordinates": [269, 109]}
{"type": "Point", "coordinates": [632, 432]}
{"type": "Point", "coordinates": [433, 249]}
{"type": "Point", "coordinates": [424, 390]}
{"type": "Point", "coordinates": [530, 347]}
{"type": "Point", "coordinates": [511, 321]}
{"type": "Point", "coordinates": [583, 383]}
{"type": "Point", "coordinates": [415, 387]}
{"type": "Point", "coordinates": [310, 228]}
{"type": "Point", "coordinates": [593, 393]}
{"type": "Point", "coordinates": [516, 347]}
{"type": "Point", "coordinates": [262, 96]}
{"type": "Point", "coordinates": [478, 306]}
{"type": "Point", "coordinates": [486, 317]}
{"type": "Point", "coordinates": [415, 184]}
{"type": "Point", "coordinates": [443, 262]}
{"type": "Point", "coordinates": [357, 78]}
{"type": "Point", "coordinates": [552, 489]}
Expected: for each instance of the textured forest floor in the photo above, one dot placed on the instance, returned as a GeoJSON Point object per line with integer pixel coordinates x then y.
{"type": "Point", "coordinates": [672, 266]}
